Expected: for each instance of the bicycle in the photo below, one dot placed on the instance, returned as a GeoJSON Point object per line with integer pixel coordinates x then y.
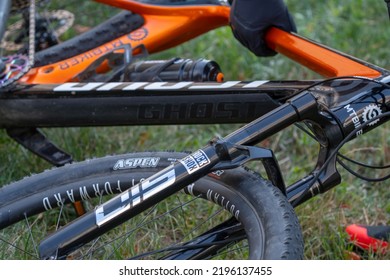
{"type": "Point", "coordinates": [221, 154]}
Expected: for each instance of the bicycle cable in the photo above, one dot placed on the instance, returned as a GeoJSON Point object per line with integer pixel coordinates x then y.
{"type": "Point", "coordinates": [339, 155]}
{"type": "Point", "coordinates": [380, 179]}
{"type": "Point", "coordinates": [331, 156]}
{"type": "Point", "coordinates": [335, 152]}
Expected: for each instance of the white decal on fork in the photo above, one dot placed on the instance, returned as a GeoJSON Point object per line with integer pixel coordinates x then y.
{"type": "Point", "coordinates": [195, 161]}
{"type": "Point", "coordinates": [134, 196]}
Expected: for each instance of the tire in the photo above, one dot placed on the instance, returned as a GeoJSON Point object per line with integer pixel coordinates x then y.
{"type": "Point", "coordinates": [119, 25]}
{"type": "Point", "coordinates": [270, 226]}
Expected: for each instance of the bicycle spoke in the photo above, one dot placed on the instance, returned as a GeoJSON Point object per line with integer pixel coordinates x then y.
{"type": "Point", "coordinates": [31, 236]}
{"type": "Point", "coordinates": [142, 223]}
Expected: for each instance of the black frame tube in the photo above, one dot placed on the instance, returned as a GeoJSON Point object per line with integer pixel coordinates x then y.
{"type": "Point", "coordinates": [110, 104]}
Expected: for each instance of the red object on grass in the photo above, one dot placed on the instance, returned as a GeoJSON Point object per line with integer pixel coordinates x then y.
{"type": "Point", "coordinates": [370, 237]}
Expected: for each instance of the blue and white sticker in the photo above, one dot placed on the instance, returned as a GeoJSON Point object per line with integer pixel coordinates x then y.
{"type": "Point", "coordinates": [195, 161]}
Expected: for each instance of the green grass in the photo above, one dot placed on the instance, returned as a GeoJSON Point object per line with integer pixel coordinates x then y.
{"type": "Point", "coordinates": [358, 27]}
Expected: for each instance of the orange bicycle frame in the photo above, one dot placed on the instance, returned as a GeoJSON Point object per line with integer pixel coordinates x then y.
{"type": "Point", "coordinates": [168, 26]}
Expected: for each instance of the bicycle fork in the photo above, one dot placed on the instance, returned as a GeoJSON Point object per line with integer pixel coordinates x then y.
{"type": "Point", "coordinates": [219, 154]}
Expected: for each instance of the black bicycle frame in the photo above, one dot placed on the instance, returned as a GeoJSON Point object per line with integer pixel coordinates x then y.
{"type": "Point", "coordinates": [26, 108]}
{"type": "Point", "coordinates": [333, 110]}
{"type": "Point", "coordinates": [142, 103]}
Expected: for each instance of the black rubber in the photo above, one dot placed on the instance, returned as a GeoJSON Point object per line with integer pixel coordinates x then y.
{"type": "Point", "coordinates": [269, 221]}
{"type": "Point", "coordinates": [117, 26]}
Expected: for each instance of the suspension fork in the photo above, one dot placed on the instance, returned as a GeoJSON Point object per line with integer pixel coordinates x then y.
{"type": "Point", "coordinates": [218, 154]}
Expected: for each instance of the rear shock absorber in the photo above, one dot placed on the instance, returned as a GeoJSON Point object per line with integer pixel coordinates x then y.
{"type": "Point", "coordinates": [174, 70]}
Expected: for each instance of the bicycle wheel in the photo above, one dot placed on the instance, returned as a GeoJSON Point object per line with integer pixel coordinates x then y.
{"type": "Point", "coordinates": [227, 214]}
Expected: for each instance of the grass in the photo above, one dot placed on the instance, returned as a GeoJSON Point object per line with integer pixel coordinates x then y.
{"type": "Point", "coordinates": [358, 27]}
